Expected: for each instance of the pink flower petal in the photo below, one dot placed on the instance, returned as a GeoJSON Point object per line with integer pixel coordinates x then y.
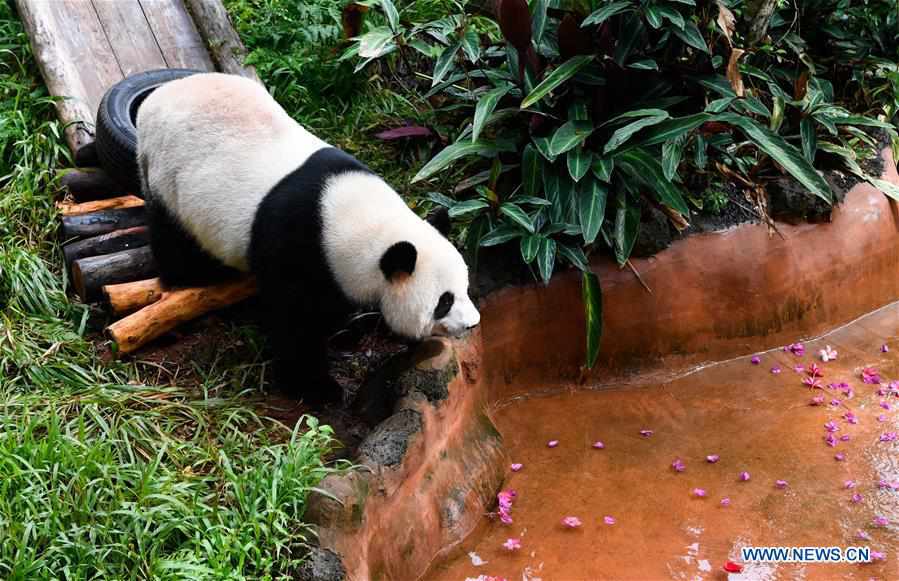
{"type": "Point", "coordinates": [830, 440]}
{"type": "Point", "coordinates": [839, 456]}
{"type": "Point", "coordinates": [845, 438]}
{"type": "Point", "coordinates": [799, 368]}
{"type": "Point", "coordinates": [815, 371]}
{"type": "Point", "coordinates": [817, 400]}
{"type": "Point", "coordinates": [828, 354]}
{"type": "Point", "coordinates": [646, 433]}
{"type": "Point", "coordinates": [712, 458]}
{"type": "Point", "coordinates": [678, 465]}
{"type": "Point", "coordinates": [884, 348]}
{"type": "Point", "coordinates": [885, 405]}
{"type": "Point", "coordinates": [775, 370]}
{"type": "Point", "coordinates": [755, 360]}
{"type": "Point", "coordinates": [699, 492]}
{"type": "Point", "coordinates": [781, 484]}
{"type": "Point", "coordinates": [881, 418]}
{"type": "Point", "coordinates": [850, 484]}
{"type": "Point", "coordinates": [512, 544]}
{"type": "Point", "coordinates": [598, 445]}
{"type": "Point", "coordinates": [831, 426]}
{"type": "Point", "coordinates": [725, 501]}
{"type": "Point", "coordinates": [856, 498]}
{"type": "Point", "coordinates": [609, 520]}
{"type": "Point", "coordinates": [552, 443]}
{"type": "Point", "coordinates": [744, 476]}
{"type": "Point", "coordinates": [881, 521]}
{"type": "Point", "coordinates": [850, 417]}
{"type": "Point", "coordinates": [835, 402]}
{"type": "Point", "coordinates": [862, 536]}
{"type": "Point", "coordinates": [571, 522]}
{"type": "Point", "coordinates": [797, 349]}
{"type": "Point", "coordinates": [812, 382]}
{"type": "Point", "coordinates": [888, 437]}
{"type": "Point", "coordinates": [878, 556]}
{"type": "Point", "coordinates": [870, 375]}
{"type": "Point", "coordinates": [516, 467]}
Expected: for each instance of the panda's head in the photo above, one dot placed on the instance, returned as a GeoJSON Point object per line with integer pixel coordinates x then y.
{"type": "Point", "coordinates": [427, 285]}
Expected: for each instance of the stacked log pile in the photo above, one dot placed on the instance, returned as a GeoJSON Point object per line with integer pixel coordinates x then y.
{"type": "Point", "coordinates": [107, 253]}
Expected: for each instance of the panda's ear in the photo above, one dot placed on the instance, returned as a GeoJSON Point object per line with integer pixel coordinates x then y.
{"type": "Point", "coordinates": [440, 219]}
{"type": "Point", "coordinates": [399, 261]}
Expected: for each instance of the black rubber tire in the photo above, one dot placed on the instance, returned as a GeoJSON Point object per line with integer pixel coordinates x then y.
{"type": "Point", "coordinates": [116, 133]}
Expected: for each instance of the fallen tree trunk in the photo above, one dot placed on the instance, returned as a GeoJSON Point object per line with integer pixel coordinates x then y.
{"type": "Point", "coordinates": [172, 309]}
{"type": "Point", "coordinates": [117, 203]}
{"type": "Point", "coordinates": [89, 275]}
{"type": "Point", "coordinates": [102, 222]}
{"type": "Point", "coordinates": [106, 244]}
{"type": "Point", "coordinates": [128, 297]}
{"type": "Point", "coordinates": [90, 185]}
{"type": "Point", "coordinates": [215, 27]}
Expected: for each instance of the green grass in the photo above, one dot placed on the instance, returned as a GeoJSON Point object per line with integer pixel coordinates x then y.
{"type": "Point", "coordinates": [104, 473]}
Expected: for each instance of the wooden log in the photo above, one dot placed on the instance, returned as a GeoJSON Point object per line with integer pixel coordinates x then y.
{"type": "Point", "coordinates": [128, 297]}
{"type": "Point", "coordinates": [103, 222]}
{"type": "Point", "coordinates": [90, 274]}
{"type": "Point", "coordinates": [69, 209]}
{"type": "Point", "coordinates": [176, 34]}
{"type": "Point", "coordinates": [75, 59]}
{"type": "Point", "coordinates": [215, 27]}
{"type": "Point", "coordinates": [90, 185]}
{"type": "Point", "coordinates": [172, 309]}
{"type": "Point", "coordinates": [106, 244]}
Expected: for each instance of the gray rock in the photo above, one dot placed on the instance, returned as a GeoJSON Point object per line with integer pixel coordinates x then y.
{"type": "Point", "coordinates": [321, 565]}
{"type": "Point", "coordinates": [387, 444]}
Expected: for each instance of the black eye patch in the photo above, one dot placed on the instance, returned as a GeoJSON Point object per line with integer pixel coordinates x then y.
{"type": "Point", "coordinates": [444, 305]}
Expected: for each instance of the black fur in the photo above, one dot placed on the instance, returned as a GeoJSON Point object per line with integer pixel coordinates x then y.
{"type": "Point", "coordinates": [301, 301]}
{"type": "Point", "coordinates": [440, 219]}
{"type": "Point", "coordinates": [180, 260]}
{"type": "Point", "coordinates": [399, 260]}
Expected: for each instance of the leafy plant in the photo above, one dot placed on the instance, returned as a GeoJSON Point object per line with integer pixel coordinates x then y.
{"type": "Point", "coordinates": [580, 114]}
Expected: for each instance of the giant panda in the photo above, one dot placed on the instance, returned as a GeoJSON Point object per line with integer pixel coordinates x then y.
{"type": "Point", "coordinates": [234, 185]}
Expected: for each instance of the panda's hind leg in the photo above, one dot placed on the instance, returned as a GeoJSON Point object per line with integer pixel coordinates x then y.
{"type": "Point", "coordinates": [180, 260]}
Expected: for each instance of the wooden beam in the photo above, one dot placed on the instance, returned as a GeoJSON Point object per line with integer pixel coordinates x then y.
{"type": "Point", "coordinates": [127, 297]}
{"type": "Point", "coordinates": [103, 222]}
{"type": "Point", "coordinates": [106, 244]}
{"type": "Point", "coordinates": [172, 309]}
{"type": "Point", "coordinates": [176, 35]}
{"type": "Point", "coordinates": [70, 209]}
{"type": "Point", "coordinates": [129, 35]}
{"type": "Point", "coordinates": [218, 32]}
{"type": "Point", "coordinates": [89, 275]}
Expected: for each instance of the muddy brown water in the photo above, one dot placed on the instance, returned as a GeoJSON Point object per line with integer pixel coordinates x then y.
{"type": "Point", "coordinates": [756, 421]}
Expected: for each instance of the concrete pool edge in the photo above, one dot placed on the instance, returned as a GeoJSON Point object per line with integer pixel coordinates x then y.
{"type": "Point", "coordinates": [736, 292]}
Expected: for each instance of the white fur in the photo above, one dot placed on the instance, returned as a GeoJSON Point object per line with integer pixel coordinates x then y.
{"type": "Point", "coordinates": [214, 145]}
{"type": "Point", "coordinates": [362, 218]}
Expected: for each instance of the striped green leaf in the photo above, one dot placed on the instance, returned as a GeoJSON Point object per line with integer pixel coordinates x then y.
{"type": "Point", "coordinates": [546, 258]}
{"type": "Point", "coordinates": [486, 105]}
{"type": "Point", "coordinates": [569, 135]}
{"type": "Point", "coordinates": [578, 161]}
{"type": "Point", "coordinates": [592, 297]}
{"type": "Point", "coordinates": [622, 134]}
{"type": "Point", "coordinates": [517, 215]}
{"type": "Point", "coordinates": [643, 167]}
{"type": "Point", "coordinates": [531, 166]}
{"type": "Point", "coordinates": [591, 208]}
{"type": "Point", "coordinates": [561, 74]}
{"type": "Point", "coordinates": [458, 150]}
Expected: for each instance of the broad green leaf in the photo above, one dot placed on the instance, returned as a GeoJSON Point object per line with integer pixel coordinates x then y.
{"type": "Point", "coordinates": [591, 208]}
{"type": "Point", "coordinates": [561, 74]}
{"type": "Point", "coordinates": [645, 168]}
{"type": "Point", "coordinates": [546, 258]}
{"type": "Point", "coordinates": [644, 65]}
{"type": "Point", "coordinates": [631, 29]}
{"type": "Point", "coordinates": [673, 128]}
{"type": "Point", "coordinates": [440, 199]}
{"type": "Point", "coordinates": [393, 17]}
{"type": "Point", "coordinates": [591, 294]}
{"type": "Point", "coordinates": [529, 246]}
{"type": "Point", "coordinates": [602, 168]}
{"type": "Point", "coordinates": [627, 226]}
{"type": "Point", "coordinates": [578, 161]}
{"type": "Point", "coordinates": [785, 154]}
{"type": "Point", "coordinates": [551, 187]}
{"type": "Point", "coordinates": [753, 105]}
{"type": "Point", "coordinates": [486, 105]}
{"type": "Point", "coordinates": [455, 151]}
{"type": "Point", "coordinates": [606, 12]}
{"type": "Point", "coordinates": [671, 155]}
{"type": "Point", "coordinates": [653, 15]}
{"type": "Point", "coordinates": [518, 215]}
{"type": "Point", "coordinates": [719, 105]}
{"type": "Point", "coordinates": [467, 207]}
{"type": "Point", "coordinates": [376, 42]}
{"type": "Point", "coordinates": [445, 62]}
{"type": "Point", "coordinates": [777, 114]}
{"type": "Point", "coordinates": [624, 133]}
{"type": "Point", "coordinates": [569, 135]}
{"type": "Point", "coordinates": [691, 35]}
{"type": "Point", "coordinates": [809, 139]}
{"type": "Point", "coordinates": [496, 169]}
{"type": "Point", "coordinates": [533, 200]}
{"type": "Point", "coordinates": [542, 145]}
{"type": "Point", "coordinates": [566, 208]}
{"type": "Point", "coordinates": [504, 233]}
{"type": "Point", "coordinates": [718, 84]}
{"type": "Point", "coordinates": [861, 120]}
{"type": "Point", "coordinates": [471, 44]}
{"type": "Point", "coordinates": [575, 255]}
{"type": "Point", "coordinates": [699, 151]}
{"type": "Point", "coordinates": [672, 15]}
{"type": "Point", "coordinates": [531, 167]}
{"type": "Point", "coordinates": [635, 113]}
{"type": "Point", "coordinates": [577, 111]}
{"type": "Point", "coordinates": [538, 19]}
